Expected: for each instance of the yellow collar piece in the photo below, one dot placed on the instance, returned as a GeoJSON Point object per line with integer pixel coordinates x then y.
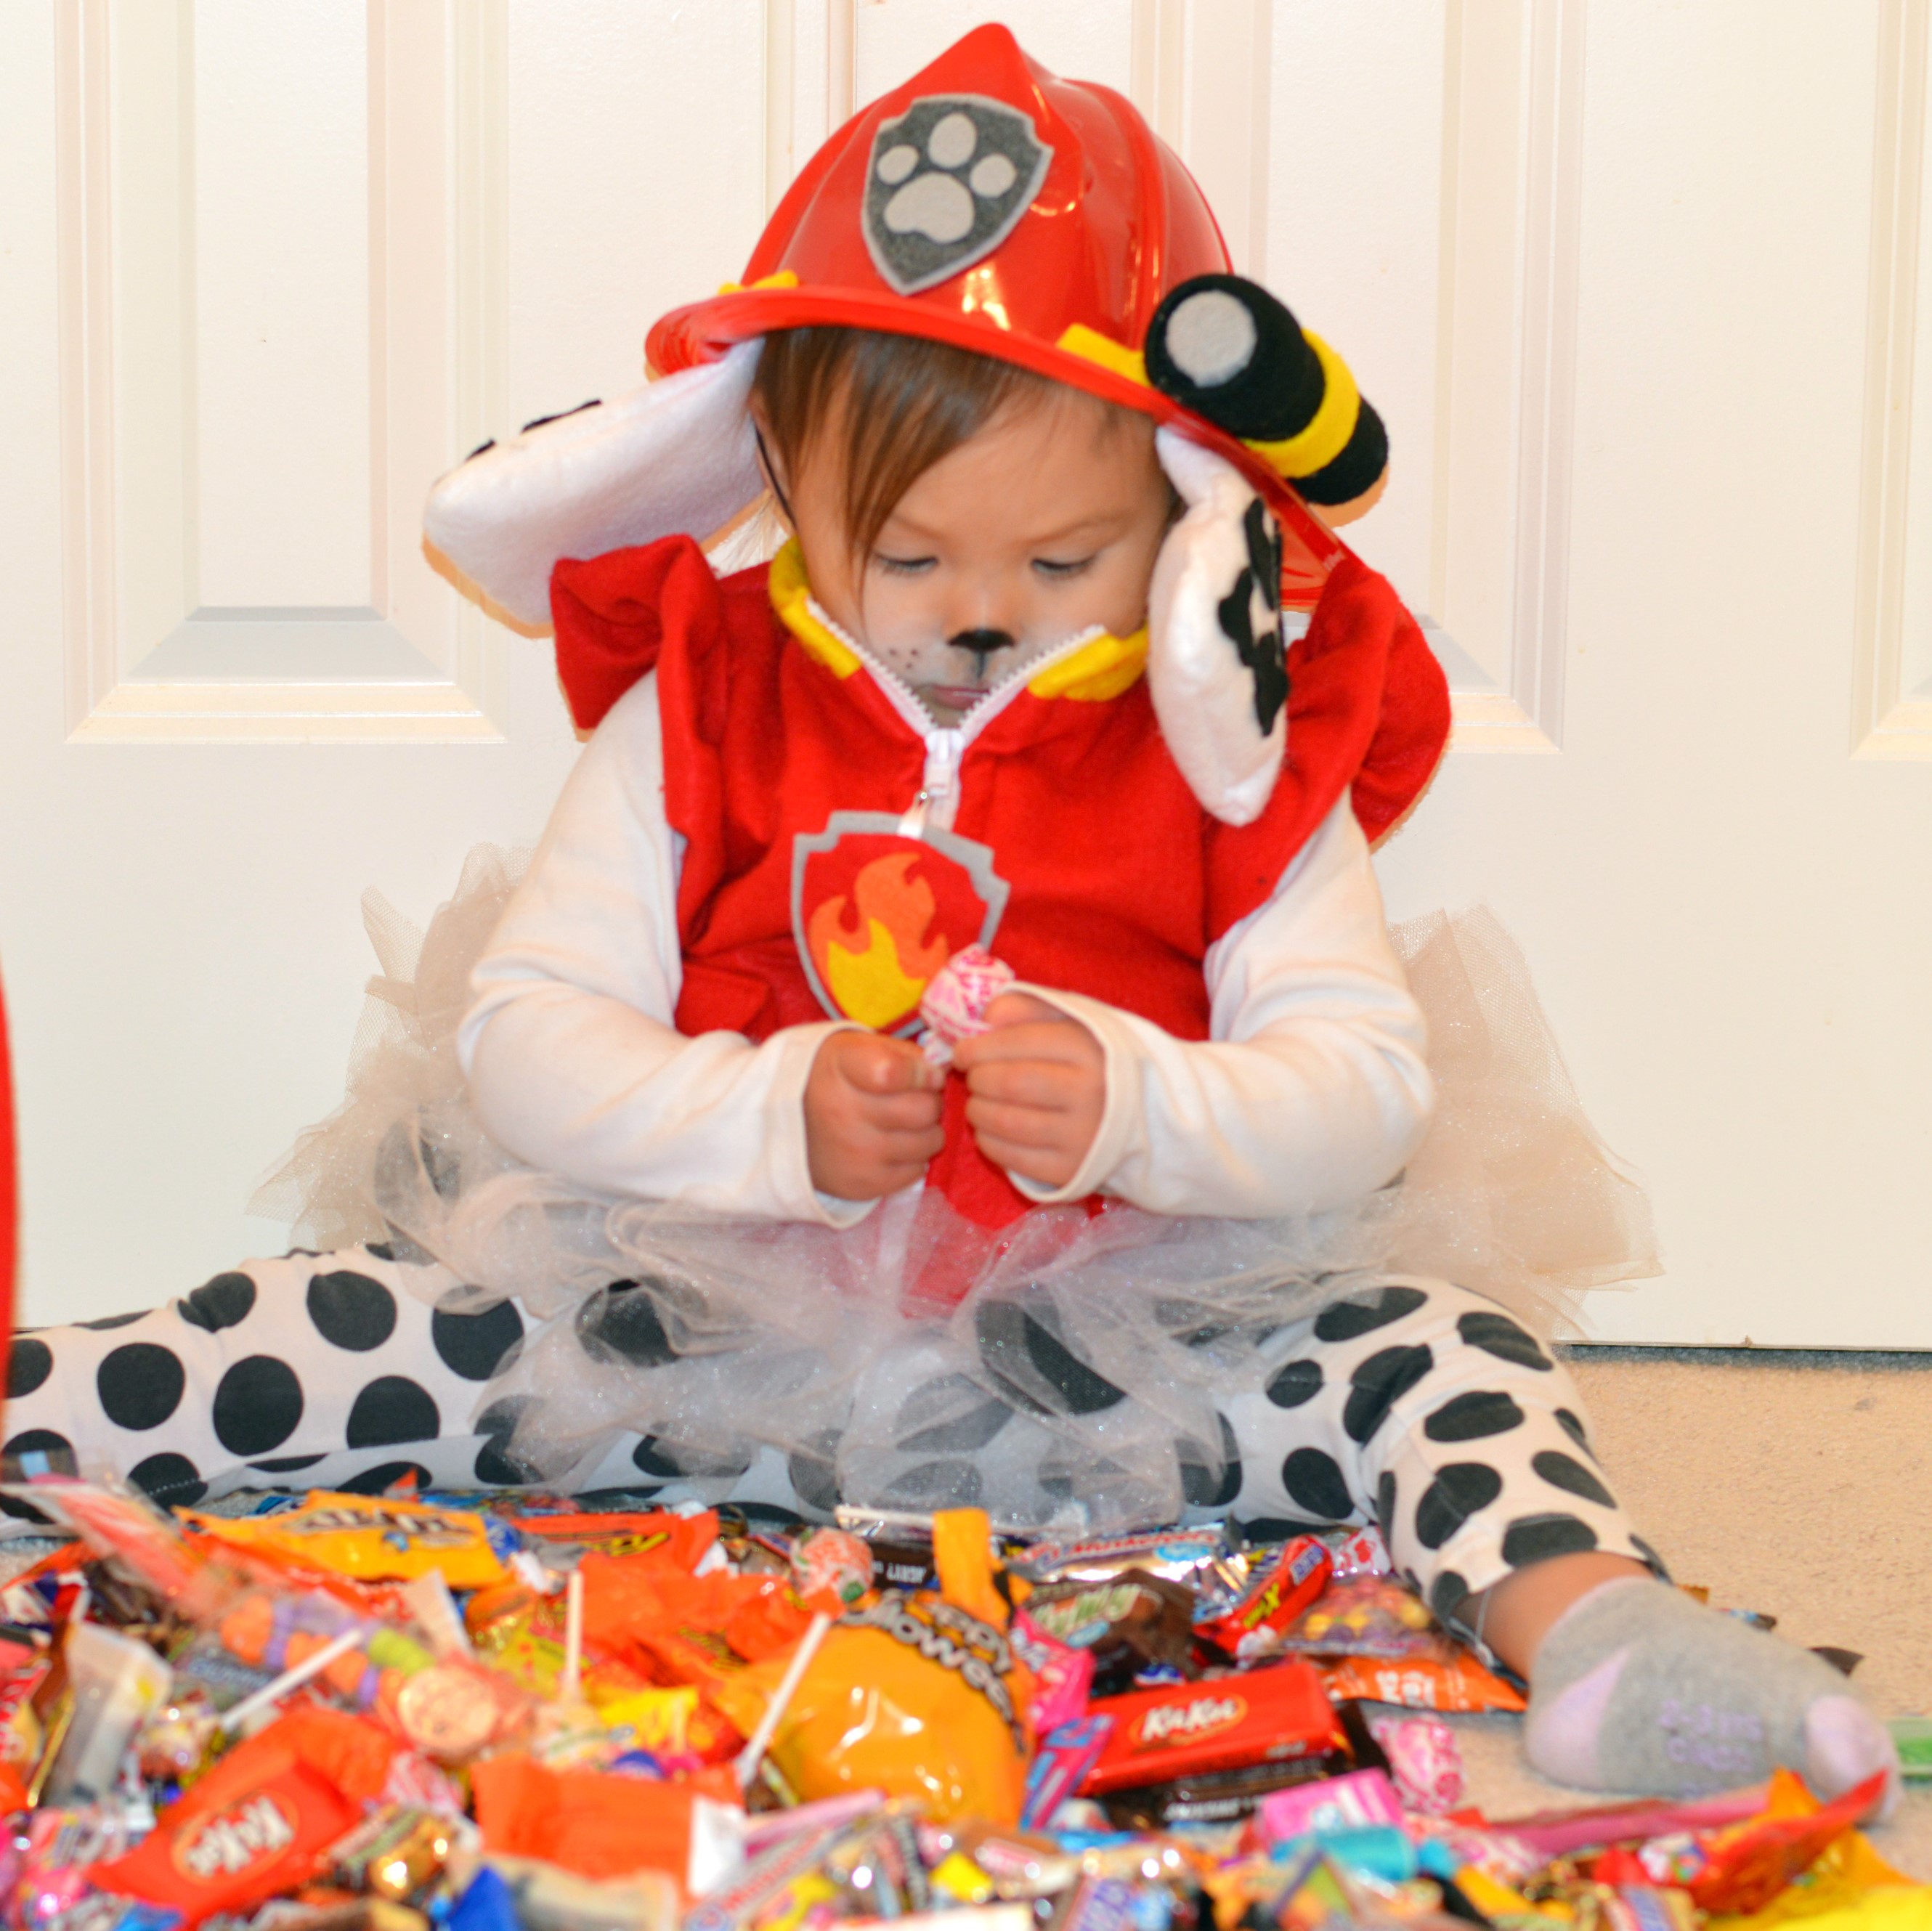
{"type": "Point", "coordinates": [1103, 667]}
{"type": "Point", "coordinates": [791, 597]}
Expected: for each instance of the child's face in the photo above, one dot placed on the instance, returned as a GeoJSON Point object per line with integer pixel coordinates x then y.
{"type": "Point", "coordinates": [1044, 524]}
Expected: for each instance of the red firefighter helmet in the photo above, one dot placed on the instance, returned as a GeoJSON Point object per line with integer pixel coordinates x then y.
{"type": "Point", "coordinates": [989, 204]}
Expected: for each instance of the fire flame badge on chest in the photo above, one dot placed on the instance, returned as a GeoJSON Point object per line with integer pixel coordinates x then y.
{"type": "Point", "coordinates": [875, 914]}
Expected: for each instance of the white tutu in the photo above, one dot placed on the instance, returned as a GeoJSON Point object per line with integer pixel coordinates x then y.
{"type": "Point", "coordinates": [722, 1335]}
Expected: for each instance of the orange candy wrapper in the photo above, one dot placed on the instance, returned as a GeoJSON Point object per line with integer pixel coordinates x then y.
{"type": "Point", "coordinates": [595, 1824]}
{"type": "Point", "coordinates": [1447, 1679]}
{"type": "Point", "coordinates": [369, 1538]}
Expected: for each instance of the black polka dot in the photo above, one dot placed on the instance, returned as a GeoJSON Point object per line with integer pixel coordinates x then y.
{"type": "Point", "coordinates": [385, 1475]}
{"type": "Point", "coordinates": [813, 1468]}
{"type": "Point", "coordinates": [1345, 1320]}
{"type": "Point", "coordinates": [496, 1466]}
{"type": "Point", "coordinates": [1447, 1593]}
{"type": "Point", "coordinates": [1496, 1334]}
{"type": "Point", "coordinates": [1205, 1487]}
{"type": "Point", "coordinates": [28, 1366]}
{"type": "Point", "coordinates": [1457, 1492]}
{"type": "Point", "coordinates": [473, 1346]}
{"type": "Point", "coordinates": [351, 1310]}
{"type": "Point", "coordinates": [392, 1408]}
{"type": "Point", "coordinates": [1297, 1382]}
{"type": "Point", "coordinates": [1029, 1359]}
{"type": "Point", "coordinates": [24, 1512]}
{"type": "Point", "coordinates": [258, 1406]}
{"type": "Point", "coordinates": [951, 1414]}
{"type": "Point", "coordinates": [379, 1250]}
{"type": "Point", "coordinates": [1385, 1500]}
{"type": "Point", "coordinates": [1316, 1481]}
{"type": "Point", "coordinates": [172, 1480]}
{"type": "Point", "coordinates": [1564, 1471]}
{"type": "Point", "coordinates": [1572, 1426]}
{"type": "Point", "coordinates": [1537, 1538]}
{"type": "Point", "coordinates": [1469, 1417]}
{"type": "Point", "coordinates": [114, 1320]}
{"type": "Point", "coordinates": [219, 1303]}
{"type": "Point", "coordinates": [287, 1464]}
{"type": "Point", "coordinates": [140, 1385]}
{"type": "Point", "coordinates": [1377, 1383]}
{"type": "Point", "coordinates": [34, 1450]}
{"type": "Point", "coordinates": [939, 1484]}
{"type": "Point", "coordinates": [621, 1323]}
{"type": "Point", "coordinates": [1658, 1566]}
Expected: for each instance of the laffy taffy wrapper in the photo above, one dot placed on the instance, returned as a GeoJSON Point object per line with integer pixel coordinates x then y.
{"type": "Point", "coordinates": [954, 1005]}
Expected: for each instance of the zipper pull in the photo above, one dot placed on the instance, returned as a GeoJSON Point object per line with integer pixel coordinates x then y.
{"type": "Point", "coordinates": [938, 798]}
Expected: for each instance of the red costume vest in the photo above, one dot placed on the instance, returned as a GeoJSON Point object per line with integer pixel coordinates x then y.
{"type": "Point", "coordinates": [1076, 851]}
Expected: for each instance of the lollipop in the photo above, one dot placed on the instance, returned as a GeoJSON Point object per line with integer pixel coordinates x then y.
{"type": "Point", "coordinates": [954, 1007]}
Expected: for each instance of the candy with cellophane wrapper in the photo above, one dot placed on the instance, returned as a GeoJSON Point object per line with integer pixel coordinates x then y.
{"type": "Point", "coordinates": [1424, 1759]}
{"type": "Point", "coordinates": [832, 1560]}
{"type": "Point", "coordinates": [954, 1005]}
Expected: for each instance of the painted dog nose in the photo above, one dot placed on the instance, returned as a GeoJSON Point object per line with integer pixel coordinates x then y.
{"type": "Point", "coordinates": [983, 643]}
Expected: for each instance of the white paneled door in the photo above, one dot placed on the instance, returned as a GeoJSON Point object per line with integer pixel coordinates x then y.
{"type": "Point", "coordinates": [1640, 289]}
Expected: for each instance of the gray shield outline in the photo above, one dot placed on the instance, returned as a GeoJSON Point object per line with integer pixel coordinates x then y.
{"type": "Point", "coordinates": [975, 859]}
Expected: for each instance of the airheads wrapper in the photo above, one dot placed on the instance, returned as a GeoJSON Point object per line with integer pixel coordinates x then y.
{"type": "Point", "coordinates": [913, 1696]}
{"type": "Point", "coordinates": [1265, 1716]}
{"type": "Point", "coordinates": [370, 1538]}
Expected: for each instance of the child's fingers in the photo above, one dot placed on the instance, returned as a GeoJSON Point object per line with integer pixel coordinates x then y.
{"type": "Point", "coordinates": [1050, 1167]}
{"type": "Point", "coordinates": [1030, 1083]}
{"type": "Point", "coordinates": [1032, 1127]}
{"type": "Point", "coordinates": [1065, 1041]}
{"type": "Point", "coordinates": [875, 1065]}
{"type": "Point", "coordinates": [1022, 1008]}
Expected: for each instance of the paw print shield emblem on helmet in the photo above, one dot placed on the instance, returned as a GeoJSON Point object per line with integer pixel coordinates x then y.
{"type": "Point", "coordinates": [948, 181]}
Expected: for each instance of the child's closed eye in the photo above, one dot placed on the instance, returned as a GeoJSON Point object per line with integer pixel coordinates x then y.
{"type": "Point", "coordinates": [903, 566]}
{"type": "Point", "coordinates": [1058, 572]}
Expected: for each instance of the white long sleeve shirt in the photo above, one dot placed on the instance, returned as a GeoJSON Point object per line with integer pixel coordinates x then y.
{"type": "Point", "coordinates": [1311, 1091]}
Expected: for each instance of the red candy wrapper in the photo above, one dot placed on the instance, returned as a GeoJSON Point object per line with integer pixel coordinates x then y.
{"type": "Point", "coordinates": [202, 1857]}
{"type": "Point", "coordinates": [1288, 1586]}
{"type": "Point", "coordinates": [1181, 1729]}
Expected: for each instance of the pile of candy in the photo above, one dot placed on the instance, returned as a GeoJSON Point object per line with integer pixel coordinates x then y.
{"type": "Point", "coordinates": [497, 1711]}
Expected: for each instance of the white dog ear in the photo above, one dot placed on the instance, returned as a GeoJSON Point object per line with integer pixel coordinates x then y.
{"type": "Point", "coordinates": [1217, 642]}
{"type": "Point", "coordinates": [676, 457]}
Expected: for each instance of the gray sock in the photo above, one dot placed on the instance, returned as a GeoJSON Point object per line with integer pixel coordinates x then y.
{"type": "Point", "coordinates": [1637, 1687]}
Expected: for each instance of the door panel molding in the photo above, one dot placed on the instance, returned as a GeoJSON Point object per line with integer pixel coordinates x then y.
{"type": "Point", "coordinates": [145, 659]}
{"type": "Point", "coordinates": [1892, 665]}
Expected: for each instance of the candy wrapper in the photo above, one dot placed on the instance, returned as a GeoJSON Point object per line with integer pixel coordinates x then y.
{"type": "Point", "coordinates": [1255, 1625]}
{"type": "Point", "coordinates": [1127, 1624]}
{"type": "Point", "coordinates": [1442, 1678]}
{"type": "Point", "coordinates": [832, 1560]}
{"type": "Point", "coordinates": [954, 1005]}
{"type": "Point", "coordinates": [1366, 1615]}
{"type": "Point", "coordinates": [370, 1538]}
{"type": "Point", "coordinates": [913, 1696]}
{"type": "Point", "coordinates": [1265, 1716]}
{"type": "Point", "coordinates": [1424, 1759]}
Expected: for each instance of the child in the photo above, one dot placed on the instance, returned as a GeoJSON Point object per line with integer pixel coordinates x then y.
{"type": "Point", "coordinates": [709, 1215]}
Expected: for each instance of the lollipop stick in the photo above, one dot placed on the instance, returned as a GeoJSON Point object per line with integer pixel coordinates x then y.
{"type": "Point", "coordinates": [768, 1724]}
{"type": "Point", "coordinates": [572, 1685]}
{"type": "Point", "coordinates": [291, 1679]}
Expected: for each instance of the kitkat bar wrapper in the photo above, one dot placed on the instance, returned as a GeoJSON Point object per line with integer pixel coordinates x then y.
{"type": "Point", "coordinates": [1182, 1729]}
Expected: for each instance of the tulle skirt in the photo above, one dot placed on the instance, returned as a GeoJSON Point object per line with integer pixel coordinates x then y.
{"type": "Point", "coordinates": [722, 1335]}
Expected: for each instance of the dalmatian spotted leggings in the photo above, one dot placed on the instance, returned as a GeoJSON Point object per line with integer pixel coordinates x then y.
{"type": "Point", "coordinates": [1409, 1403]}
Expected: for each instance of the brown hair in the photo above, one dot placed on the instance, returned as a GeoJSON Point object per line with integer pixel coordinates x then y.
{"type": "Point", "coordinates": [897, 404]}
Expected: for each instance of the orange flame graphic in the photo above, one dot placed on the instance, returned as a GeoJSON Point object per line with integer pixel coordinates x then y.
{"type": "Point", "coordinates": [878, 983]}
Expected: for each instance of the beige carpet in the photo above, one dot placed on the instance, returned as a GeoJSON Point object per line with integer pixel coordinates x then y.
{"type": "Point", "coordinates": [1800, 1485]}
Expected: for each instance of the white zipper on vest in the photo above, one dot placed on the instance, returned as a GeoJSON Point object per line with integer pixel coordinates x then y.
{"type": "Point", "coordinates": [937, 801]}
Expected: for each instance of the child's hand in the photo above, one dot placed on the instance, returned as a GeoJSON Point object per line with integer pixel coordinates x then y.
{"type": "Point", "coordinates": [1036, 1087]}
{"type": "Point", "coordinates": [872, 1115]}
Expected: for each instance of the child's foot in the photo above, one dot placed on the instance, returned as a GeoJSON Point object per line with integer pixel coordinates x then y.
{"type": "Point", "coordinates": [1637, 1687]}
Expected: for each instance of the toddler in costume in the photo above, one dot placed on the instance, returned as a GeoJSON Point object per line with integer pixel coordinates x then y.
{"type": "Point", "coordinates": [1057, 663]}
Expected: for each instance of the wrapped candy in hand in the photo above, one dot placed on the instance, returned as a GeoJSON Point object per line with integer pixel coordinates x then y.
{"type": "Point", "coordinates": [954, 1006]}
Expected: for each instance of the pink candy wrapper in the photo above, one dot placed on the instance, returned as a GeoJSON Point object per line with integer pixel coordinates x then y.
{"type": "Point", "coordinates": [1424, 1759]}
{"type": "Point", "coordinates": [954, 1006]}
{"type": "Point", "coordinates": [1363, 1553]}
{"type": "Point", "coordinates": [1361, 1797]}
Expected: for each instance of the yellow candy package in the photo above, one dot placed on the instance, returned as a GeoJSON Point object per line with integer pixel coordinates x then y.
{"type": "Point", "coordinates": [368, 1538]}
{"type": "Point", "coordinates": [915, 1695]}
